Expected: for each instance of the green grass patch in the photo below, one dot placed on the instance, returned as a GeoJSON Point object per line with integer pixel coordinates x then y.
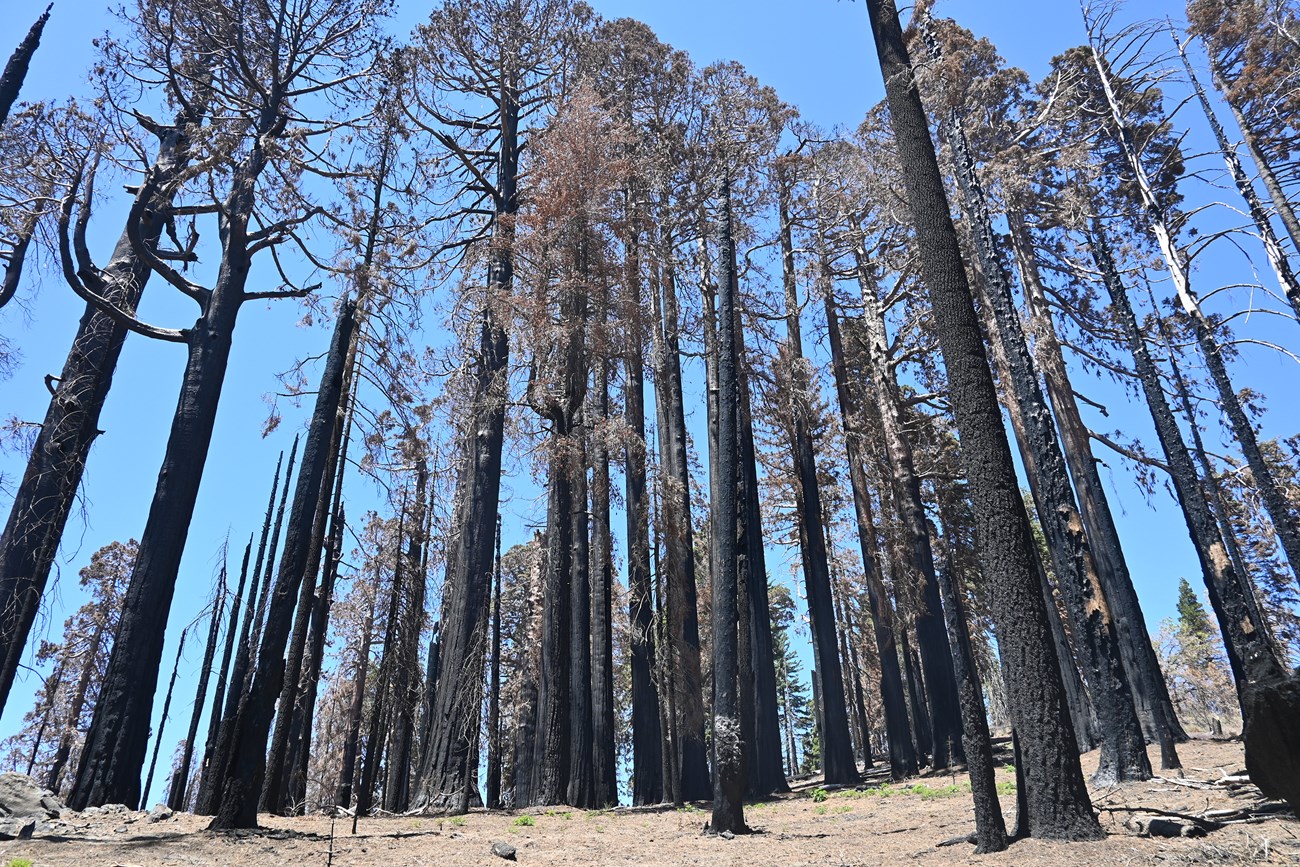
{"type": "Point", "coordinates": [689, 808]}
{"type": "Point", "coordinates": [19, 862]}
{"type": "Point", "coordinates": [525, 821]}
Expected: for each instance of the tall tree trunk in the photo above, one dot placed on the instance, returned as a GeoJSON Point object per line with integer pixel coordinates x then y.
{"type": "Point", "coordinates": [848, 656]}
{"type": "Point", "coordinates": [1123, 749]}
{"type": "Point", "coordinates": [902, 753]}
{"type": "Point", "coordinates": [1277, 258]}
{"type": "Point", "coordinates": [728, 751]}
{"type": "Point", "coordinates": [177, 796]}
{"type": "Point", "coordinates": [50, 482]}
{"type": "Point", "coordinates": [1150, 691]}
{"type": "Point", "coordinates": [352, 738]}
{"type": "Point", "coordinates": [837, 741]}
{"type": "Point", "coordinates": [492, 797]}
{"type": "Point", "coordinates": [162, 722]}
{"type": "Point", "coordinates": [1058, 806]}
{"type": "Point", "coordinates": [11, 80]}
{"type": "Point", "coordinates": [218, 754]}
{"type": "Point", "coordinates": [604, 759]}
{"type": "Point", "coordinates": [552, 743]}
{"type": "Point", "coordinates": [69, 733]}
{"type": "Point", "coordinates": [1270, 699]}
{"type": "Point", "coordinates": [246, 766]}
{"type": "Point", "coordinates": [647, 728]}
{"type": "Point", "coordinates": [931, 634]}
{"type": "Point", "coordinates": [990, 827]}
{"type": "Point", "coordinates": [582, 783]}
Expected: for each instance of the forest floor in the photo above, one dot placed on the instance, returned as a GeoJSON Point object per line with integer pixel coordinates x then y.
{"type": "Point", "coordinates": [878, 825]}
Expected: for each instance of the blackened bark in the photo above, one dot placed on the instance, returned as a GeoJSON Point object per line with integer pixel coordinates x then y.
{"type": "Point", "coordinates": [352, 739]}
{"type": "Point", "coordinates": [604, 760]}
{"type": "Point", "coordinates": [1270, 699]}
{"type": "Point", "coordinates": [237, 689]}
{"type": "Point", "coordinates": [177, 796]}
{"type": "Point", "coordinates": [446, 766]}
{"type": "Point", "coordinates": [1123, 749]}
{"type": "Point", "coordinates": [49, 484]}
{"type": "Point", "coordinates": [1082, 717]}
{"type": "Point", "coordinates": [728, 751]}
{"type": "Point", "coordinates": [647, 730]}
{"type": "Point", "coordinates": [552, 743]}
{"type": "Point", "coordinates": [1150, 692]}
{"type": "Point", "coordinates": [944, 726]}
{"type": "Point", "coordinates": [921, 730]}
{"type": "Point", "coordinates": [902, 753]}
{"type": "Point", "coordinates": [69, 733]}
{"type": "Point", "coordinates": [162, 723]}
{"type": "Point", "coordinates": [837, 741]}
{"type": "Point", "coordinates": [848, 658]}
{"type": "Point", "coordinates": [990, 827]}
{"type": "Point", "coordinates": [582, 784]}
{"type": "Point", "coordinates": [1058, 802]}
{"type": "Point", "coordinates": [246, 767]}
{"type": "Point", "coordinates": [492, 797]}
{"type": "Point", "coordinates": [11, 80]}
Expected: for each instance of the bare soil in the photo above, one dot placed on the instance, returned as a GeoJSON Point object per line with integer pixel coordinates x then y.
{"type": "Point", "coordinates": [901, 823]}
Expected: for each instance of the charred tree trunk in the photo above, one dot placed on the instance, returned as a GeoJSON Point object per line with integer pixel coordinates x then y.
{"type": "Point", "coordinates": [218, 756]}
{"type": "Point", "coordinates": [352, 740]}
{"type": "Point", "coordinates": [1058, 806]}
{"type": "Point", "coordinates": [902, 752]}
{"type": "Point", "coordinates": [1150, 691]}
{"type": "Point", "coordinates": [1123, 749]}
{"type": "Point", "coordinates": [837, 741]}
{"type": "Point", "coordinates": [728, 751]}
{"type": "Point", "coordinates": [246, 766]}
{"type": "Point", "coordinates": [492, 797]}
{"type": "Point", "coordinates": [944, 725]}
{"type": "Point", "coordinates": [176, 798]}
{"type": "Point", "coordinates": [604, 760]}
{"type": "Point", "coordinates": [1267, 174]}
{"type": "Point", "coordinates": [1270, 699]}
{"type": "Point", "coordinates": [162, 722]}
{"type": "Point", "coordinates": [11, 80]}
{"type": "Point", "coordinates": [69, 733]}
{"type": "Point", "coordinates": [582, 783]}
{"type": "Point", "coordinates": [552, 744]}
{"type": "Point", "coordinates": [50, 482]}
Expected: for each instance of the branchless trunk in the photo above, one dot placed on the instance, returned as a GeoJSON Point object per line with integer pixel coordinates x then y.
{"type": "Point", "coordinates": [246, 768]}
{"type": "Point", "coordinates": [604, 760]}
{"type": "Point", "coordinates": [492, 797]}
{"type": "Point", "coordinates": [990, 827]}
{"type": "Point", "coordinates": [1270, 699]}
{"type": "Point", "coordinates": [1123, 749]}
{"type": "Point", "coordinates": [848, 657]}
{"type": "Point", "coordinates": [162, 722]}
{"type": "Point", "coordinates": [49, 484]}
{"type": "Point", "coordinates": [177, 796]}
{"type": "Point", "coordinates": [647, 730]}
{"type": "Point", "coordinates": [931, 634]}
{"type": "Point", "coordinates": [11, 80]}
{"type": "Point", "coordinates": [837, 741]}
{"type": "Point", "coordinates": [552, 743]}
{"type": "Point", "coordinates": [1058, 805]}
{"type": "Point", "coordinates": [902, 753]}
{"type": "Point", "coordinates": [728, 751]}
{"type": "Point", "coordinates": [352, 737]}
{"type": "Point", "coordinates": [1150, 692]}
{"type": "Point", "coordinates": [218, 758]}
{"type": "Point", "coordinates": [1285, 522]}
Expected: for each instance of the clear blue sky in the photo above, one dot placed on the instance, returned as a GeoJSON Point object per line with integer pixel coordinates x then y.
{"type": "Point", "coordinates": [817, 55]}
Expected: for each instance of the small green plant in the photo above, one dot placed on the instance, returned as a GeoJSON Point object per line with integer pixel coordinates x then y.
{"type": "Point", "coordinates": [458, 821]}
{"type": "Point", "coordinates": [1006, 787]}
{"type": "Point", "coordinates": [525, 821]}
{"type": "Point", "coordinates": [819, 794]}
{"type": "Point", "coordinates": [689, 808]}
{"type": "Point", "coordinates": [844, 808]}
{"type": "Point", "coordinates": [820, 811]}
{"type": "Point", "coordinates": [19, 862]}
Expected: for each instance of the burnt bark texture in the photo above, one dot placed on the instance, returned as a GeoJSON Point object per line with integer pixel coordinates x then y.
{"type": "Point", "coordinates": [728, 750]}
{"type": "Point", "coordinates": [246, 765]}
{"type": "Point", "coordinates": [11, 80]}
{"type": "Point", "coordinates": [1058, 806]}
{"type": "Point", "coordinates": [50, 482]}
{"type": "Point", "coordinates": [176, 797]}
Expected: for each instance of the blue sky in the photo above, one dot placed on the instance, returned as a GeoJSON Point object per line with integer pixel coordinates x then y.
{"type": "Point", "coordinates": [816, 54]}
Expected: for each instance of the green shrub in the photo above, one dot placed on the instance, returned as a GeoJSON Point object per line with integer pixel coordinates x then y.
{"type": "Point", "coordinates": [819, 794]}
{"type": "Point", "coordinates": [525, 821]}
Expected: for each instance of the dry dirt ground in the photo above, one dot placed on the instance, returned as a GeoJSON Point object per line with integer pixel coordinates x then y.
{"type": "Point", "coordinates": [902, 823]}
